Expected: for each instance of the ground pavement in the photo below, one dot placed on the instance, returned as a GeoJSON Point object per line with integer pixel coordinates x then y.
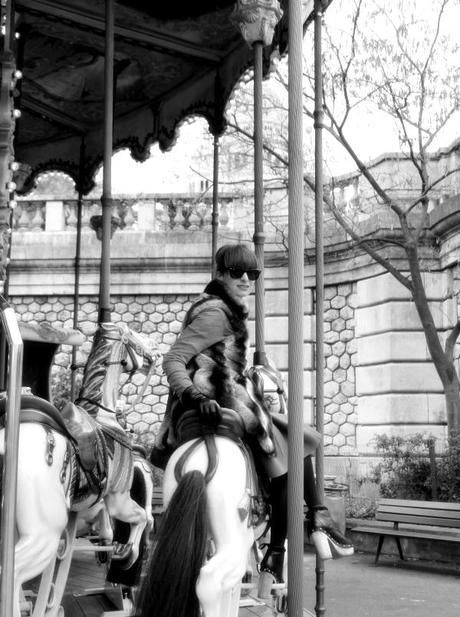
{"type": "Point", "coordinates": [355, 587]}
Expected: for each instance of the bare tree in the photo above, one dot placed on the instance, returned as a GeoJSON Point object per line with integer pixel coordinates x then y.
{"type": "Point", "coordinates": [398, 61]}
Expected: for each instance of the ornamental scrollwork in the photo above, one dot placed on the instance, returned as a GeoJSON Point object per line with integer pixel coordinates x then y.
{"type": "Point", "coordinates": [257, 20]}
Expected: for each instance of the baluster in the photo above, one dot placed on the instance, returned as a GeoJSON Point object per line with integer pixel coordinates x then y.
{"type": "Point", "coordinates": [38, 220]}
{"type": "Point", "coordinates": [71, 216]}
{"type": "Point", "coordinates": [184, 210]}
{"type": "Point", "coordinates": [160, 218]}
{"type": "Point", "coordinates": [194, 219]}
{"type": "Point", "coordinates": [354, 201]}
{"type": "Point", "coordinates": [172, 213]}
{"type": "Point", "coordinates": [201, 210]}
{"type": "Point", "coordinates": [455, 177]}
{"type": "Point", "coordinates": [129, 218]}
{"type": "Point", "coordinates": [23, 219]}
{"type": "Point", "coordinates": [223, 215]}
{"type": "Point", "coordinates": [339, 196]}
{"type": "Point", "coordinates": [16, 216]}
{"type": "Point", "coordinates": [207, 218]}
{"type": "Point", "coordinates": [86, 215]}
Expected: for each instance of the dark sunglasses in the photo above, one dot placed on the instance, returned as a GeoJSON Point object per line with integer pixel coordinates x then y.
{"type": "Point", "coordinates": [237, 273]}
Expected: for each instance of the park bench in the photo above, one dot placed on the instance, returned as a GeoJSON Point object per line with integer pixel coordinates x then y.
{"type": "Point", "coordinates": [426, 520]}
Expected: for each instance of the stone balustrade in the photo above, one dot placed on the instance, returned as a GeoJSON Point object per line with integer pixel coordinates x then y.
{"type": "Point", "coordinates": [157, 214]}
{"type": "Point", "coordinates": [354, 196]}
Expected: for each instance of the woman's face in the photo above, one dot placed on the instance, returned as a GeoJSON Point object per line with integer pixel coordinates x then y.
{"type": "Point", "coordinates": [238, 289]}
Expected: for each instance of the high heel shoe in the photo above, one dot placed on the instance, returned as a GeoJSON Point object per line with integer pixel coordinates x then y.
{"type": "Point", "coordinates": [329, 542]}
{"type": "Point", "coordinates": [271, 571]}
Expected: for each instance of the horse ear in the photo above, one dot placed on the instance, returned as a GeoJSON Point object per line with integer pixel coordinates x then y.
{"type": "Point", "coordinates": [257, 381]}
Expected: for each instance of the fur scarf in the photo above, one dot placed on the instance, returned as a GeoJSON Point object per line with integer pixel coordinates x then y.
{"type": "Point", "coordinates": [219, 372]}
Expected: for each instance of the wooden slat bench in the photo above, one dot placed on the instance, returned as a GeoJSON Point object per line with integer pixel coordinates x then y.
{"type": "Point", "coordinates": [431, 520]}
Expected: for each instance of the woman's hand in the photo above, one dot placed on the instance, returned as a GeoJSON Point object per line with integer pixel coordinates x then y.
{"type": "Point", "coordinates": [209, 409]}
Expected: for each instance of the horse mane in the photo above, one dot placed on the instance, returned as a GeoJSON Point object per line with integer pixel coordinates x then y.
{"type": "Point", "coordinates": [95, 371]}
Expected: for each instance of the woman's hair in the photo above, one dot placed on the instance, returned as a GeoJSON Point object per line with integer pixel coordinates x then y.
{"type": "Point", "coordinates": [235, 256]}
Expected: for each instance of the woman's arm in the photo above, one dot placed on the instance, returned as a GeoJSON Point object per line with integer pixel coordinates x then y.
{"type": "Point", "coordinates": [209, 327]}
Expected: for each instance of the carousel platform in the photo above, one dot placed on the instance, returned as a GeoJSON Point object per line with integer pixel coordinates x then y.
{"type": "Point", "coordinates": [89, 595]}
{"type": "Point", "coordinates": [354, 586]}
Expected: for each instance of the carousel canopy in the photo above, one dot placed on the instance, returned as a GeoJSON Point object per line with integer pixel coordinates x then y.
{"type": "Point", "coordinates": [171, 60]}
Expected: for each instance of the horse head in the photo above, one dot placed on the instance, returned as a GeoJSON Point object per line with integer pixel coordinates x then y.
{"type": "Point", "coordinates": [116, 349]}
{"type": "Point", "coordinates": [142, 352]}
{"type": "Point", "coordinates": [269, 384]}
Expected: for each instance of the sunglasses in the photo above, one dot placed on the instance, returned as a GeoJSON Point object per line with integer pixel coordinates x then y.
{"type": "Point", "coordinates": [237, 273]}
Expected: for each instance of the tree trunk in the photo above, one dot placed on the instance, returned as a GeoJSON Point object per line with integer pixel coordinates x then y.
{"type": "Point", "coordinates": [442, 362]}
{"type": "Point", "coordinates": [452, 398]}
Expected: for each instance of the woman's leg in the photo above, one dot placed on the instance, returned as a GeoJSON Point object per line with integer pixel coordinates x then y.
{"type": "Point", "coordinates": [273, 560]}
{"type": "Point", "coordinates": [328, 540]}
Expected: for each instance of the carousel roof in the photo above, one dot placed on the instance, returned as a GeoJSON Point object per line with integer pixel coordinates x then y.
{"type": "Point", "coordinates": [171, 60]}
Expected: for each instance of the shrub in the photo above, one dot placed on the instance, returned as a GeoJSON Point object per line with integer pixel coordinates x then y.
{"type": "Point", "coordinates": [407, 472]}
{"type": "Point", "coordinates": [448, 475]}
{"type": "Point", "coordinates": [362, 499]}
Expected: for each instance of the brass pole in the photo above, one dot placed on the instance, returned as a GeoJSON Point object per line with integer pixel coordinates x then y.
{"type": "Point", "coordinates": [10, 469]}
{"type": "Point", "coordinates": [319, 275]}
{"type": "Point", "coordinates": [296, 312]}
{"type": "Point", "coordinates": [106, 199]}
{"type": "Point", "coordinates": [215, 205]}
{"type": "Point", "coordinates": [76, 298]}
{"type": "Point", "coordinates": [259, 237]}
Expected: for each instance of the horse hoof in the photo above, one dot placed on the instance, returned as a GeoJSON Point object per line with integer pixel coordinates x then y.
{"type": "Point", "coordinates": [268, 585]}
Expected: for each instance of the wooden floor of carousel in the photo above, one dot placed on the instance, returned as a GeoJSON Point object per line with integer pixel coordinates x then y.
{"type": "Point", "coordinates": [89, 595]}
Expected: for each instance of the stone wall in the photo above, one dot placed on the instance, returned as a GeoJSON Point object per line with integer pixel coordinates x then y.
{"type": "Point", "coordinates": [378, 375]}
{"type": "Point", "coordinates": [340, 422]}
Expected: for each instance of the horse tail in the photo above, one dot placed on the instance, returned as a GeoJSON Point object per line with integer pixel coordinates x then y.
{"type": "Point", "coordinates": [168, 587]}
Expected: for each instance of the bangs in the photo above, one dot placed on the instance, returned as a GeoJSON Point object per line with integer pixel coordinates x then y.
{"type": "Point", "coordinates": [235, 256]}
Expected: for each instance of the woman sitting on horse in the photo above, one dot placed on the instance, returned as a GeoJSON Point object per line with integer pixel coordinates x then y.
{"type": "Point", "coordinates": [206, 368]}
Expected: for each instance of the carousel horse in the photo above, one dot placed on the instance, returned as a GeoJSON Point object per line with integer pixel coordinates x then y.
{"type": "Point", "coordinates": [202, 545]}
{"type": "Point", "coordinates": [214, 506]}
{"type": "Point", "coordinates": [73, 460]}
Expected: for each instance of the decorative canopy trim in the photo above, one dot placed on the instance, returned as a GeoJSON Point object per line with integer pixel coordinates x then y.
{"type": "Point", "coordinates": [171, 61]}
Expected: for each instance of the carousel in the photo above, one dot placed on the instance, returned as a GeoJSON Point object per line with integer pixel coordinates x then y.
{"type": "Point", "coordinates": [81, 80]}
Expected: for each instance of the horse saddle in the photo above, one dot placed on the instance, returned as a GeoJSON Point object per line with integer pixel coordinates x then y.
{"type": "Point", "coordinates": [83, 430]}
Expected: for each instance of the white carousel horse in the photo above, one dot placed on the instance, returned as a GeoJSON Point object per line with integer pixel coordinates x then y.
{"type": "Point", "coordinates": [66, 468]}
{"type": "Point", "coordinates": [202, 546]}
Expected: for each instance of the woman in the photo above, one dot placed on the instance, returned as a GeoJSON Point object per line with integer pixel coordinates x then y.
{"type": "Point", "coordinates": [205, 369]}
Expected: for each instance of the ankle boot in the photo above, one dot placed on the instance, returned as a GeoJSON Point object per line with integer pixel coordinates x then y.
{"type": "Point", "coordinates": [327, 539]}
{"type": "Point", "coordinates": [271, 571]}
{"type": "Point", "coordinates": [273, 562]}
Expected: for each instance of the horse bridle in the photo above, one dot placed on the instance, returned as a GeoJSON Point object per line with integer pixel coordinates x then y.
{"type": "Point", "coordinates": [123, 362]}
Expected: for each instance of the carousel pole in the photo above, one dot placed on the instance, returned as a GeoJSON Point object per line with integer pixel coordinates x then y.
{"type": "Point", "coordinates": [10, 471]}
{"type": "Point", "coordinates": [257, 21]}
{"type": "Point", "coordinates": [319, 275]}
{"type": "Point", "coordinates": [11, 372]}
{"type": "Point", "coordinates": [259, 236]}
{"type": "Point", "coordinates": [296, 311]}
{"type": "Point", "coordinates": [215, 205]}
{"type": "Point", "coordinates": [76, 300]}
{"type": "Point", "coordinates": [106, 199]}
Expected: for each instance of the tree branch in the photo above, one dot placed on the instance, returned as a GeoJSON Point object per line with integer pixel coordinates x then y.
{"type": "Point", "coordinates": [451, 340]}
